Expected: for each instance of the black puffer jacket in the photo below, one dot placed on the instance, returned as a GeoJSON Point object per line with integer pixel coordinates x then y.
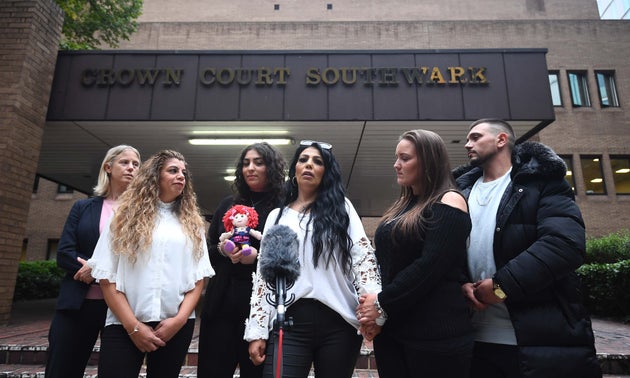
{"type": "Point", "coordinates": [539, 242]}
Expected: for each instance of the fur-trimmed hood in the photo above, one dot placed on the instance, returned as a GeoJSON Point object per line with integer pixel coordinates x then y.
{"type": "Point", "coordinates": [528, 159]}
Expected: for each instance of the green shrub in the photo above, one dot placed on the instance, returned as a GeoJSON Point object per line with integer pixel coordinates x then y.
{"type": "Point", "coordinates": [611, 248]}
{"type": "Point", "coordinates": [37, 280]}
{"type": "Point", "coordinates": [606, 288]}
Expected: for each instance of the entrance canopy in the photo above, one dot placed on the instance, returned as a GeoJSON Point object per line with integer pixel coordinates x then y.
{"type": "Point", "coordinates": [359, 101]}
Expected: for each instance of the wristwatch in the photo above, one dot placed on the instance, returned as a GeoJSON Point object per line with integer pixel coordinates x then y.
{"type": "Point", "coordinates": [496, 289]}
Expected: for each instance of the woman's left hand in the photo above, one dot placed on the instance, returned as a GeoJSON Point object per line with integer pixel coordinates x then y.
{"type": "Point", "coordinates": [167, 328]}
{"type": "Point", "coordinates": [238, 257]}
{"type": "Point", "coordinates": [85, 273]}
{"type": "Point", "coordinates": [366, 311]}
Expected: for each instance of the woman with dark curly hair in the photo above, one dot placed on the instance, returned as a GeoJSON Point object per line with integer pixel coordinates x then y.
{"type": "Point", "coordinates": [337, 263]}
{"type": "Point", "coordinates": [151, 262]}
{"type": "Point", "coordinates": [259, 183]}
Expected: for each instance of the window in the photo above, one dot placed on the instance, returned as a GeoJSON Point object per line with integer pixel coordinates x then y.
{"type": "Point", "coordinates": [579, 89]}
{"type": "Point", "coordinates": [63, 189]}
{"type": "Point", "coordinates": [554, 84]}
{"type": "Point", "coordinates": [569, 176]}
{"type": "Point", "coordinates": [36, 184]}
{"type": "Point", "coordinates": [621, 173]}
{"type": "Point", "coordinates": [593, 176]}
{"type": "Point", "coordinates": [276, 7]}
{"type": "Point", "coordinates": [607, 89]}
{"type": "Point", "coordinates": [51, 250]}
{"type": "Point", "coordinates": [329, 6]}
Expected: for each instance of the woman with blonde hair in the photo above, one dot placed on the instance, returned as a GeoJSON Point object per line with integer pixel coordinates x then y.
{"type": "Point", "coordinates": [151, 263]}
{"type": "Point", "coordinates": [81, 309]}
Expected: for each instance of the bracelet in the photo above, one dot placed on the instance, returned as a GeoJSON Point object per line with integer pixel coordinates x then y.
{"type": "Point", "coordinates": [136, 328]}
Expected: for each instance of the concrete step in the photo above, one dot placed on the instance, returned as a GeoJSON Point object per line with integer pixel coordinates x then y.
{"type": "Point", "coordinates": [26, 357]}
{"type": "Point", "coordinates": [37, 371]}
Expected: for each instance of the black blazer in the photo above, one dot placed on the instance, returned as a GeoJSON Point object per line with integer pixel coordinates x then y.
{"type": "Point", "coordinates": [78, 239]}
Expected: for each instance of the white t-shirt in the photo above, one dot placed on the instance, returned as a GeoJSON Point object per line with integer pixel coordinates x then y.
{"type": "Point", "coordinates": [156, 283]}
{"type": "Point", "coordinates": [492, 325]}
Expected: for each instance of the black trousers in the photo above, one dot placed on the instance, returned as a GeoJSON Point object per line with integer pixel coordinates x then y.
{"type": "Point", "coordinates": [71, 338]}
{"type": "Point", "coordinates": [397, 360]}
{"type": "Point", "coordinates": [495, 361]}
{"type": "Point", "coordinates": [119, 357]}
{"type": "Point", "coordinates": [222, 348]}
{"type": "Point", "coordinates": [320, 338]}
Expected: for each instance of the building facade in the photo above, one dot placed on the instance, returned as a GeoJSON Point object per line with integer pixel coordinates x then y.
{"type": "Point", "coordinates": [589, 73]}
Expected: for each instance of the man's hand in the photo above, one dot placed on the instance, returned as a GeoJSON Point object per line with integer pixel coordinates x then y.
{"type": "Point", "coordinates": [468, 289]}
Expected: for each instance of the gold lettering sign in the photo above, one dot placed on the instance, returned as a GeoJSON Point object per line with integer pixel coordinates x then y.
{"type": "Point", "coordinates": [279, 76]}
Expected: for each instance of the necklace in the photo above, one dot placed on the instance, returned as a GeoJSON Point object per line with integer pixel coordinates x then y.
{"type": "Point", "coordinates": [302, 207]}
{"type": "Point", "coordinates": [255, 203]}
{"type": "Point", "coordinates": [486, 200]}
{"type": "Point", "coordinates": [484, 192]}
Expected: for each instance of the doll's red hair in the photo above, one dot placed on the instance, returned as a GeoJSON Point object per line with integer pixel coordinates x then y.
{"type": "Point", "coordinates": [252, 216]}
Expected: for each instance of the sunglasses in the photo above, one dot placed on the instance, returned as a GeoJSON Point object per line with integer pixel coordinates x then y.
{"type": "Point", "coordinates": [322, 145]}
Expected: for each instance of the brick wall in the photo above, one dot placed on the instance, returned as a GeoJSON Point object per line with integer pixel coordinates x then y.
{"type": "Point", "coordinates": [29, 36]}
{"type": "Point", "coordinates": [46, 217]}
{"type": "Point", "coordinates": [578, 44]}
{"type": "Point", "coordinates": [364, 10]}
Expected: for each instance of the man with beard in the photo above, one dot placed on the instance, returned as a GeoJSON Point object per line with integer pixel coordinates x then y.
{"type": "Point", "coordinates": [526, 242]}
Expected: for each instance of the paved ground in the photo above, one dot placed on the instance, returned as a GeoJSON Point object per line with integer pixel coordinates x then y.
{"type": "Point", "coordinates": [30, 321]}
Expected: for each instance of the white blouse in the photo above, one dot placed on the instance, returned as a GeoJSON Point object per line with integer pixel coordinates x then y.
{"type": "Point", "coordinates": [330, 286]}
{"type": "Point", "coordinates": [156, 283]}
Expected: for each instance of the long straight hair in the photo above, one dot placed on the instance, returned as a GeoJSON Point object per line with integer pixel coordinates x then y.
{"type": "Point", "coordinates": [435, 179]}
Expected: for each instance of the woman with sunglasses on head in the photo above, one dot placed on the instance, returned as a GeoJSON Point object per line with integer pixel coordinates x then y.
{"type": "Point", "coordinates": [259, 183]}
{"type": "Point", "coordinates": [421, 249]}
{"type": "Point", "coordinates": [337, 264]}
{"type": "Point", "coordinates": [81, 309]}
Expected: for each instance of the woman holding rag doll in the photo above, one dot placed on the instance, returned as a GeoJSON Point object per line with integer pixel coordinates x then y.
{"type": "Point", "coordinates": [259, 186]}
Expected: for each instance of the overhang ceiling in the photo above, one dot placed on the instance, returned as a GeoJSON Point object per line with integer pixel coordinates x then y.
{"type": "Point", "coordinates": [72, 152]}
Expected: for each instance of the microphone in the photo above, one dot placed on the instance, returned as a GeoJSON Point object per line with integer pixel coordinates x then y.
{"type": "Point", "coordinates": [279, 266]}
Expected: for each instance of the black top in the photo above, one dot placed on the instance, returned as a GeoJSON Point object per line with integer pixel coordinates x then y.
{"type": "Point", "coordinates": [421, 280]}
{"type": "Point", "coordinates": [229, 291]}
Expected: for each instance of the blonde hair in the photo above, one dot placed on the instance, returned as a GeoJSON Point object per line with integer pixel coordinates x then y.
{"type": "Point", "coordinates": [134, 221]}
{"type": "Point", "coordinates": [102, 185]}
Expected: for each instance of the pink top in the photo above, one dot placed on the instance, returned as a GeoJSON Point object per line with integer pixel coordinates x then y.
{"type": "Point", "coordinates": [94, 292]}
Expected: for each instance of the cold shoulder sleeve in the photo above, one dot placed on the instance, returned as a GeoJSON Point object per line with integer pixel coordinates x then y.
{"type": "Point", "coordinates": [443, 247]}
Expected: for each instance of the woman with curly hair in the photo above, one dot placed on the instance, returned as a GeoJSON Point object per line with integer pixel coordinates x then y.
{"type": "Point", "coordinates": [259, 183]}
{"type": "Point", "coordinates": [151, 263]}
{"type": "Point", "coordinates": [337, 264]}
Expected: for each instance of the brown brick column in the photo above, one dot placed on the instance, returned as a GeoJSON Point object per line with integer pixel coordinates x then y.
{"type": "Point", "coordinates": [29, 39]}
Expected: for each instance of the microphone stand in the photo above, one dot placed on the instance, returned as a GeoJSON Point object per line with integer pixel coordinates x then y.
{"type": "Point", "coordinates": [280, 324]}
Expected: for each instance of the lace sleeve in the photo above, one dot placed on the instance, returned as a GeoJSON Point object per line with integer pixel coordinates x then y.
{"type": "Point", "coordinates": [260, 312]}
{"type": "Point", "coordinates": [365, 268]}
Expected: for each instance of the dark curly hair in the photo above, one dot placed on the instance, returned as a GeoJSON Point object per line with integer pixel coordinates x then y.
{"type": "Point", "coordinates": [276, 168]}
